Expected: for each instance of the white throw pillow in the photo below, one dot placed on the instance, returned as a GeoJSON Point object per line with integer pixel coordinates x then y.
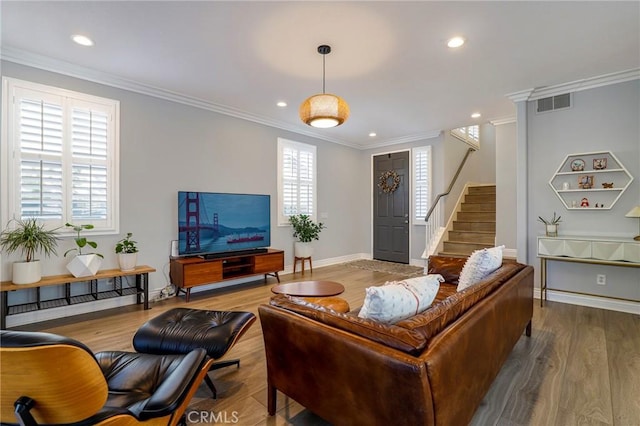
{"type": "Point", "coordinates": [398, 300]}
{"type": "Point", "coordinates": [480, 264]}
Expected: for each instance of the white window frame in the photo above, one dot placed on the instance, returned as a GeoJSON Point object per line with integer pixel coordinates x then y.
{"type": "Point", "coordinates": [419, 182]}
{"type": "Point", "coordinates": [283, 218]}
{"type": "Point", "coordinates": [10, 153]}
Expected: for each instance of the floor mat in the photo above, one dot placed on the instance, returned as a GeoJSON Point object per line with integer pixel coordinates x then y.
{"type": "Point", "coordinates": [388, 267]}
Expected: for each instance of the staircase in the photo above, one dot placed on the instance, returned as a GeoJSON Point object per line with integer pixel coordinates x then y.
{"type": "Point", "coordinates": [475, 225]}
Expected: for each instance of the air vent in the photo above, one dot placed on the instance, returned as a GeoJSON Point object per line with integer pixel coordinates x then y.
{"type": "Point", "coordinates": [554, 102]}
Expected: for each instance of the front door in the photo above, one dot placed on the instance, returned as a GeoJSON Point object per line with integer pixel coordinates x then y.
{"type": "Point", "coordinates": [391, 207]}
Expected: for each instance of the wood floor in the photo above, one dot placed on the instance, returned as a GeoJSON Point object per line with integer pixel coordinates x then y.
{"type": "Point", "coordinates": [580, 367]}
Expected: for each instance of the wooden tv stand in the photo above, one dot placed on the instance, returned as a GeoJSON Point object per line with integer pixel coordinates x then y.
{"type": "Point", "coordinates": [191, 272]}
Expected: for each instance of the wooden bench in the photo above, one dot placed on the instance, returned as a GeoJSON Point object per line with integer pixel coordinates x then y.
{"type": "Point", "coordinates": [141, 290]}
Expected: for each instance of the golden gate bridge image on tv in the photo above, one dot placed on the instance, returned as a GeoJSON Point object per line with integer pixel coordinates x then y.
{"type": "Point", "coordinates": [203, 230]}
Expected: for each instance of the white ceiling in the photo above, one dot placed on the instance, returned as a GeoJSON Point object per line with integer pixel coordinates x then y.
{"type": "Point", "coordinates": [389, 61]}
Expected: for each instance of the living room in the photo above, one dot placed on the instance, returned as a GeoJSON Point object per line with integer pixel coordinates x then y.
{"type": "Point", "coordinates": [168, 143]}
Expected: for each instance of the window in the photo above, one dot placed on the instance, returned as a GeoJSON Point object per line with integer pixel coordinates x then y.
{"type": "Point", "coordinates": [296, 180]}
{"type": "Point", "coordinates": [421, 183]}
{"type": "Point", "coordinates": [469, 134]}
{"type": "Point", "coordinates": [60, 160]}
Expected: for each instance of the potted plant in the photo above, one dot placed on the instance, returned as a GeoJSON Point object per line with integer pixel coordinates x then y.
{"type": "Point", "coordinates": [305, 230]}
{"type": "Point", "coordinates": [28, 236]}
{"type": "Point", "coordinates": [551, 226]}
{"type": "Point", "coordinates": [127, 252]}
{"type": "Point", "coordinates": [83, 264]}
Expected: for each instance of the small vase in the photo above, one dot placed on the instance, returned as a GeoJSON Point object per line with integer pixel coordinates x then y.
{"type": "Point", "coordinates": [26, 272]}
{"type": "Point", "coordinates": [552, 230]}
{"type": "Point", "coordinates": [84, 265]}
{"type": "Point", "coordinates": [127, 261]}
{"type": "Point", "coordinates": [302, 250]}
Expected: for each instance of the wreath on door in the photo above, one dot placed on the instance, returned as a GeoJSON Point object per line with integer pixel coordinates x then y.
{"type": "Point", "coordinates": [389, 181]}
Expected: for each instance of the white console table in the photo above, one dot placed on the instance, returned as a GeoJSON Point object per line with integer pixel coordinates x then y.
{"type": "Point", "coordinates": [596, 250]}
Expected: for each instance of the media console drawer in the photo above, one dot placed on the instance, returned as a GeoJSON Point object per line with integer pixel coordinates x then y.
{"type": "Point", "coordinates": [202, 273]}
{"type": "Point", "coordinates": [194, 271]}
{"type": "Point", "coordinates": [269, 263]}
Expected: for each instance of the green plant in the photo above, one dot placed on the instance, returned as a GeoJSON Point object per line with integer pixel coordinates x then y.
{"type": "Point", "coordinates": [127, 245]}
{"type": "Point", "coordinates": [29, 237]}
{"type": "Point", "coordinates": [554, 221]}
{"type": "Point", "coordinates": [81, 242]}
{"type": "Point", "coordinates": [304, 229]}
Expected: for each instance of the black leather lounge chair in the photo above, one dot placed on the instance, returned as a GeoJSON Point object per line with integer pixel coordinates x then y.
{"type": "Point", "coordinates": [50, 379]}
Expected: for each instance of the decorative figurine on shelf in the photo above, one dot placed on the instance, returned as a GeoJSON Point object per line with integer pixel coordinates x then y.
{"type": "Point", "coordinates": [597, 205]}
{"type": "Point", "coordinates": [599, 163]}
{"type": "Point", "coordinates": [584, 202]}
{"type": "Point", "coordinates": [607, 185]}
{"type": "Point", "coordinates": [585, 182]}
{"type": "Point", "coordinates": [574, 204]}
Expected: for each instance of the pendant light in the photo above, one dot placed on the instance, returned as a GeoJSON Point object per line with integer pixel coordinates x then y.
{"type": "Point", "coordinates": [324, 110]}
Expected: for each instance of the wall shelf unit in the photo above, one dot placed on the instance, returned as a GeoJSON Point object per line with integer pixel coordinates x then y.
{"type": "Point", "coordinates": [581, 176]}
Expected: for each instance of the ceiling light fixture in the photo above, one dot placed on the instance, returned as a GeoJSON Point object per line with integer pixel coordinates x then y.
{"type": "Point", "coordinates": [282, 104]}
{"type": "Point", "coordinates": [82, 40]}
{"type": "Point", "coordinates": [476, 115]}
{"type": "Point", "coordinates": [373, 134]}
{"type": "Point", "coordinates": [455, 42]}
{"type": "Point", "coordinates": [324, 110]}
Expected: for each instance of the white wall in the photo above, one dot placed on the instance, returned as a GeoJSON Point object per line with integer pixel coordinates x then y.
{"type": "Point", "coordinates": [605, 118]}
{"type": "Point", "coordinates": [167, 147]}
{"type": "Point", "coordinates": [506, 185]}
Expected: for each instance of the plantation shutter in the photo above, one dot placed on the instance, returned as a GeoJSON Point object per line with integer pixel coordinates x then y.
{"type": "Point", "coordinates": [61, 157]}
{"type": "Point", "coordinates": [40, 131]}
{"type": "Point", "coordinates": [89, 175]}
{"type": "Point", "coordinates": [296, 180]}
{"type": "Point", "coordinates": [421, 183]}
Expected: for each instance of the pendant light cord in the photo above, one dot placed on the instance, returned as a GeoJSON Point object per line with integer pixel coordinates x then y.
{"type": "Point", "coordinates": [323, 71]}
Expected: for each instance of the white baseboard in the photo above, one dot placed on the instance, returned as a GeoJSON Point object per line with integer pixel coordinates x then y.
{"type": "Point", "coordinates": [591, 301]}
{"type": "Point", "coordinates": [510, 253]}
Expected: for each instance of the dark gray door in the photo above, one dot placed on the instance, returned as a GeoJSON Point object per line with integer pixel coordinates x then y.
{"type": "Point", "coordinates": [391, 207]}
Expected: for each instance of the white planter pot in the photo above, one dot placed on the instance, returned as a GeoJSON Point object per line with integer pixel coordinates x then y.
{"type": "Point", "coordinates": [552, 230]}
{"type": "Point", "coordinates": [302, 249]}
{"type": "Point", "coordinates": [84, 265]}
{"type": "Point", "coordinates": [127, 261]}
{"type": "Point", "coordinates": [26, 272]}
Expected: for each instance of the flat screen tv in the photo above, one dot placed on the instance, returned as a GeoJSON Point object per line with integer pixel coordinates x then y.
{"type": "Point", "coordinates": [215, 224]}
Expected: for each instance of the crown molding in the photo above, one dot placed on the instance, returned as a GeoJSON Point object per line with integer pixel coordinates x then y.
{"type": "Point", "coordinates": [46, 63]}
{"type": "Point", "coordinates": [520, 96]}
{"type": "Point", "coordinates": [575, 86]}
{"type": "Point", "coordinates": [503, 121]}
{"type": "Point", "coordinates": [404, 139]}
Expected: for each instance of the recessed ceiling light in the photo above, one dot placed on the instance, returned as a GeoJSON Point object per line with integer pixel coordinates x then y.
{"type": "Point", "coordinates": [373, 134]}
{"type": "Point", "coordinates": [82, 40]}
{"type": "Point", "coordinates": [455, 42]}
{"type": "Point", "coordinates": [476, 115]}
{"type": "Point", "coordinates": [282, 104]}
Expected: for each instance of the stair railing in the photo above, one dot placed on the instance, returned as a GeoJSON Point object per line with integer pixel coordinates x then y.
{"type": "Point", "coordinates": [434, 228]}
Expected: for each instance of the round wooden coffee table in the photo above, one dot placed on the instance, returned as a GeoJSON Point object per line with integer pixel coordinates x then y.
{"type": "Point", "coordinates": [309, 288]}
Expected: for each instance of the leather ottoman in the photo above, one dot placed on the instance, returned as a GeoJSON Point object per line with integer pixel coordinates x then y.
{"type": "Point", "coordinates": [180, 330]}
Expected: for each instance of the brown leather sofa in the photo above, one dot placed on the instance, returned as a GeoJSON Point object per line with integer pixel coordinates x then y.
{"type": "Point", "coordinates": [431, 369]}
